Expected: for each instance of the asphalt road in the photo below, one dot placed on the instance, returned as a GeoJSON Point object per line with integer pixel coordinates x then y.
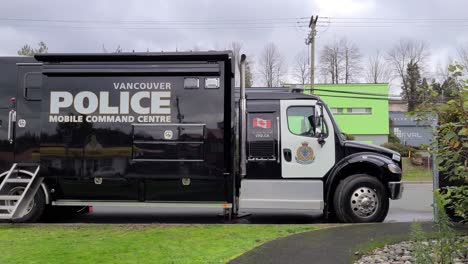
{"type": "Point", "coordinates": [415, 205]}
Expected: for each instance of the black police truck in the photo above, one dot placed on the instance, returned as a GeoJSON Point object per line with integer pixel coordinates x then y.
{"type": "Point", "coordinates": [170, 129]}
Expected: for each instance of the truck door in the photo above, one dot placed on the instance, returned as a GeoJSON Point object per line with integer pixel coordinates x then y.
{"type": "Point", "coordinates": [28, 112]}
{"type": "Point", "coordinates": [7, 109]}
{"type": "Point", "coordinates": [302, 154]}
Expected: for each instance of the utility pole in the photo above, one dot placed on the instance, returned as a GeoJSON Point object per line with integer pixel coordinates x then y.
{"type": "Point", "coordinates": [310, 40]}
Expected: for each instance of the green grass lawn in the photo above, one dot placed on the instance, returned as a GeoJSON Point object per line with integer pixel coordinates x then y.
{"type": "Point", "coordinates": [415, 173]}
{"type": "Point", "coordinates": [135, 243]}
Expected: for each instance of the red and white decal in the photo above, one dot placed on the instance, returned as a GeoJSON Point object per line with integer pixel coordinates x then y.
{"type": "Point", "coordinates": [263, 123]}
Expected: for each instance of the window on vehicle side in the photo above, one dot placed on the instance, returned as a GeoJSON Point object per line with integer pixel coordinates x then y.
{"type": "Point", "coordinates": [337, 110]}
{"type": "Point", "coordinates": [360, 110]}
{"type": "Point", "coordinates": [299, 120]}
{"type": "Point", "coordinates": [32, 86]}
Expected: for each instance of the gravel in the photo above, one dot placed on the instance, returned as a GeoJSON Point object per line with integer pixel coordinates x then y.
{"type": "Point", "coordinates": [400, 253]}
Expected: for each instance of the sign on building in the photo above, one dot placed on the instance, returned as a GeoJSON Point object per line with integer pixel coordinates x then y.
{"type": "Point", "coordinates": [412, 130]}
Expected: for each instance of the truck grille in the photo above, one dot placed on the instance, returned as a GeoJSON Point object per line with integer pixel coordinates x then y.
{"type": "Point", "coordinates": [262, 150]}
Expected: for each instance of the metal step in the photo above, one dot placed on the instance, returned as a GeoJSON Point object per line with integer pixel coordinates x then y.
{"type": "Point", "coordinates": [10, 197]}
{"type": "Point", "coordinates": [27, 196]}
{"type": "Point", "coordinates": [30, 189]}
{"type": "Point", "coordinates": [18, 180]}
{"type": "Point", "coordinates": [5, 216]}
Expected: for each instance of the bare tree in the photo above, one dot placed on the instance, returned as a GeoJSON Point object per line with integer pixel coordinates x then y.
{"type": "Point", "coordinates": [407, 52]}
{"type": "Point", "coordinates": [463, 56]}
{"type": "Point", "coordinates": [330, 61]}
{"type": "Point", "coordinates": [118, 49]}
{"type": "Point", "coordinates": [271, 66]}
{"type": "Point", "coordinates": [376, 69]}
{"type": "Point", "coordinates": [351, 58]}
{"type": "Point", "coordinates": [236, 48]}
{"type": "Point", "coordinates": [301, 70]}
{"type": "Point", "coordinates": [407, 58]}
{"type": "Point", "coordinates": [341, 61]}
{"type": "Point", "coordinates": [442, 73]}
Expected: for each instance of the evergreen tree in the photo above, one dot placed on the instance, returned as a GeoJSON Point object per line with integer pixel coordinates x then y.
{"type": "Point", "coordinates": [410, 89]}
{"type": "Point", "coordinates": [27, 50]}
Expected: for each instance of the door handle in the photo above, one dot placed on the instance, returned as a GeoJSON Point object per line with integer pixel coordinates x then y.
{"type": "Point", "coordinates": [11, 120]}
{"type": "Point", "coordinates": [287, 155]}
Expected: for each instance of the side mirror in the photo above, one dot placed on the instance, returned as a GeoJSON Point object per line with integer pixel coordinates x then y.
{"type": "Point", "coordinates": [321, 139]}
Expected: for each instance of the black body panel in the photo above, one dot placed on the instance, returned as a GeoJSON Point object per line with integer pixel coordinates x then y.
{"type": "Point", "coordinates": [171, 143]}
{"type": "Point", "coordinates": [20, 81]}
{"type": "Point", "coordinates": [263, 159]}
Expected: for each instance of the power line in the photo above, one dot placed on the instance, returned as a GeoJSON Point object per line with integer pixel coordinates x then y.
{"type": "Point", "coordinates": [398, 18]}
{"type": "Point", "coordinates": [392, 22]}
{"type": "Point", "coordinates": [213, 24]}
{"type": "Point", "coordinates": [158, 28]}
{"type": "Point", "coordinates": [392, 26]}
{"type": "Point", "coordinates": [209, 21]}
{"type": "Point", "coordinates": [368, 22]}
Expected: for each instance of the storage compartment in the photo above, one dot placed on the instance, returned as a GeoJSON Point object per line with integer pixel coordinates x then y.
{"type": "Point", "coordinates": [168, 142]}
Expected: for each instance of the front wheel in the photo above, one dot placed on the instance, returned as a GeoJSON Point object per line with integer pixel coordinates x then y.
{"type": "Point", "coordinates": [360, 198]}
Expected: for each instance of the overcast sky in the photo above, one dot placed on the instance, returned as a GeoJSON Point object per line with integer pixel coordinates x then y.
{"type": "Point", "coordinates": [276, 21]}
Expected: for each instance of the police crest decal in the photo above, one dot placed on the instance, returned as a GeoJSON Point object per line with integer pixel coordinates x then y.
{"type": "Point", "coordinates": [305, 154]}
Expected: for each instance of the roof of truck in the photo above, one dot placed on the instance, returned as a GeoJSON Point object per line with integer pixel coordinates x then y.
{"type": "Point", "coordinates": [135, 56]}
{"type": "Point", "coordinates": [17, 59]}
{"type": "Point", "coordinates": [263, 93]}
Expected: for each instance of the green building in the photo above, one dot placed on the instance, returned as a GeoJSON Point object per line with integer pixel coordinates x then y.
{"type": "Point", "coordinates": [360, 115]}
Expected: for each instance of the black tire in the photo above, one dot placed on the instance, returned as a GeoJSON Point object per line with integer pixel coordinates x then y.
{"type": "Point", "coordinates": [37, 210]}
{"type": "Point", "coordinates": [348, 193]}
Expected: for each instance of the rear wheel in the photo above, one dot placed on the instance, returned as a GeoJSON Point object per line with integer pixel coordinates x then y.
{"type": "Point", "coordinates": [35, 208]}
{"type": "Point", "coordinates": [360, 198]}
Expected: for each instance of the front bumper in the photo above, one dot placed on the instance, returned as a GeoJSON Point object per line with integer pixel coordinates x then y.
{"type": "Point", "coordinates": [395, 190]}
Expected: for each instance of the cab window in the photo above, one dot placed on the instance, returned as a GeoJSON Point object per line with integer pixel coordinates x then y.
{"type": "Point", "coordinates": [299, 120]}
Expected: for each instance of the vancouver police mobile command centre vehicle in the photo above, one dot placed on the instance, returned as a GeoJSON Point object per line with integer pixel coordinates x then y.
{"type": "Point", "coordinates": [170, 129]}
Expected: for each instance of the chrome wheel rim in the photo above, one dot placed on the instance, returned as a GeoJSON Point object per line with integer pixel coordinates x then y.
{"type": "Point", "coordinates": [364, 202]}
{"type": "Point", "coordinates": [18, 191]}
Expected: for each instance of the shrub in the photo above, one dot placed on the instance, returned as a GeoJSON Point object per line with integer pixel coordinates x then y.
{"type": "Point", "coordinates": [445, 238]}
{"type": "Point", "coordinates": [451, 134]}
{"type": "Point", "coordinates": [393, 139]}
{"type": "Point", "coordinates": [404, 150]}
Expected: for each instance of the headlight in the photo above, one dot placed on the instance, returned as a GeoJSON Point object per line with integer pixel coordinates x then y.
{"type": "Point", "coordinates": [394, 168]}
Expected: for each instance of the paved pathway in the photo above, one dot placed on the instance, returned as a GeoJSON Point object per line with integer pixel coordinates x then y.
{"type": "Point", "coordinates": [332, 245]}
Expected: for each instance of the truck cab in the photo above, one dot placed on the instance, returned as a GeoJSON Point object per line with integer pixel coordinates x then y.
{"type": "Point", "coordinates": [297, 158]}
